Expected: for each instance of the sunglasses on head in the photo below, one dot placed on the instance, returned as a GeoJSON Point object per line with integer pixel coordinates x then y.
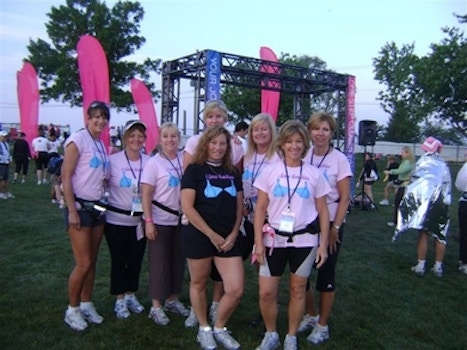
{"type": "Point", "coordinates": [98, 104]}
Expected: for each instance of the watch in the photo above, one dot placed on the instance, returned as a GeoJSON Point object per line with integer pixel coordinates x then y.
{"type": "Point", "coordinates": [336, 227]}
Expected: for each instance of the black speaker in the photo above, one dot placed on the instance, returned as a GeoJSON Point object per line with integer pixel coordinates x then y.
{"type": "Point", "coordinates": [367, 133]}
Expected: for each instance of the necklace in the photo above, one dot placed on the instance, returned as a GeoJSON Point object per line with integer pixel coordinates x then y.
{"type": "Point", "coordinates": [100, 150]}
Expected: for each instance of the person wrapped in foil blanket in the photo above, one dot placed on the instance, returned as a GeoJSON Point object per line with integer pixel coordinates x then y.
{"type": "Point", "coordinates": [425, 205]}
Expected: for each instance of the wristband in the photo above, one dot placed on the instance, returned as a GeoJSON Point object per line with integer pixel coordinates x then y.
{"type": "Point", "coordinates": [148, 220]}
{"type": "Point", "coordinates": [336, 227]}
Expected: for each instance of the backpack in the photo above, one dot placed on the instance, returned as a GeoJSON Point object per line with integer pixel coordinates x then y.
{"type": "Point", "coordinates": [54, 166]}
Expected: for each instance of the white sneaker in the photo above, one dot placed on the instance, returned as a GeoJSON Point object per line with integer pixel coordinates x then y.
{"type": "Point", "coordinates": [319, 334]}
{"type": "Point", "coordinates": [176, 307]}
{"type": "Point", "coordinates": [390, 224]}
{"type": "Point", "coordinates": [75, 320]}
{"type": "Point", "coordinates": [307, 323]}
{"type": "Point", "coordinates": [39, 182]}
{"type": "Point", "coordinates": [90, 314]}
{"type": "Point", "coordinates": [419, 270]}
{"type": "Point", "coordinates": [290, 342]}
{"type": "Point", "coordinates": [438, 271]}
{"type": "Point", "coordinates": [228, 342]}
{"type": "Point", "coordinates": [121, 310]}
{"type": "Point", "coordinates": [2, 195]}
{"type": "Point", "coordinates": [384, 202]}
{"type": "Point", "coordinates": [133, 304]}
{"type": "Point", "coordinates": [206, 340]}
{"type": "Point", "coordinates": [191, 320]}
{"type": "Point", "coordinates": [158, 316]}
{"type": "Point", "coordinates": [9, 195]}
{"type": "Point", "coordinates": [269, 342]}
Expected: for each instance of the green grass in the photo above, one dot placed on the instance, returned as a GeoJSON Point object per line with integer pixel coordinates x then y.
{"type": "Point", "coordinates": [380, 303]}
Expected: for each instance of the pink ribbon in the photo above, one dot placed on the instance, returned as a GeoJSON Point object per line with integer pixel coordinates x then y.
{"type": "Point", "coordinates": [267, 230]}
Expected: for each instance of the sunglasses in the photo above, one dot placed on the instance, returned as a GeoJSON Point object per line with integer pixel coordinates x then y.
{"type": "Point", "coordinates": [98, 104]}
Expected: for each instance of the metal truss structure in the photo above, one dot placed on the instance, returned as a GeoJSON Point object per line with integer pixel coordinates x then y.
{"type": "Point", "coordinates": [303, 83]}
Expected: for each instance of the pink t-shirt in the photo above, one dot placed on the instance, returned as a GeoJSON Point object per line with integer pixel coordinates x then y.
{"type": "Point", "coordinates": [303, 189]}
{"type": "Point", "coordinates": [165, 175]}
{"type": "Point", "coordinates": [335, 167]}
{"type": "Point", "coordinates": [88, 177]}
{"type": "Point", "coordinates": [123, 178]}
{"type": "Point", "coordinates": [237, 149]}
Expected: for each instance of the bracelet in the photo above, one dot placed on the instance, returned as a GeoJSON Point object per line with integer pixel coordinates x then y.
{"type": "Point", "coordinates": [336, 227]}
{"type": "Point", "coordinates": [148, 220]}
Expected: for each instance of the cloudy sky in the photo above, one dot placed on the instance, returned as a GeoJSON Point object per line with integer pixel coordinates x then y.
{"type": "Point", "coordinates": [346, 34]}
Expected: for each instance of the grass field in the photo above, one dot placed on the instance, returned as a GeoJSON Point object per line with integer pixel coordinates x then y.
{"type": "Point", "coordinates": [380, 303]}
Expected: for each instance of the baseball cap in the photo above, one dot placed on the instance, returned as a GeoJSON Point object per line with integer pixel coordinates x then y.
{"type": "Point", "coordinates": [131, 123]}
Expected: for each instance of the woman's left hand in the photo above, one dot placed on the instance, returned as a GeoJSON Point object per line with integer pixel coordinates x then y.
{"type": "Point", "coordinates": [321, 256]}
{"type": "Point", "coordinates": [228, 243]}
{"type": "Point", "coordinates": [333, 239]}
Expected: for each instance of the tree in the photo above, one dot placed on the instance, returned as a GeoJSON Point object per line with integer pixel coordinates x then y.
{"type": "Point", "coordinates": [442, 80]}
{"type": "Point", "coordinates": [395, 68]}
{"type": "Point", "coordinates": [246, 103]}
{"type": "Point", "coordinates": [116, 28]}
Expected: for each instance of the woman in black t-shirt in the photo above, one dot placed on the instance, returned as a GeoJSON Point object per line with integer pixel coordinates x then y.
{"type": "Point", "coordinates": [212, 200]}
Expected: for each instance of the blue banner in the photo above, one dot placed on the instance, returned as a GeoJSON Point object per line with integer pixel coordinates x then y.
{"type": "Point", "coordinates": [213, 76]}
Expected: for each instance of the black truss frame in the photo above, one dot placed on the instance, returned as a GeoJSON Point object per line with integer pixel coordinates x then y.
{"type": "Point", "coordinates": [245, 71]}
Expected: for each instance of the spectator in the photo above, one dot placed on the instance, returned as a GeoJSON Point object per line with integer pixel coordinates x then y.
{"type": "Point", "coordinates": [161, 183]}
{"type": "Point", "coordinates": [5, 159]}
{"type": "Point", "coordinates": [430, 190]}
{"type": "Point", "coordinates": [241, 131]}
{"type": "Point", "coordinates": [461, 185]}
{"type": "Point", "coordinates": [336, 169]}
{"type": "Point", "coordinates": [369, 175]}
{"type": "Point", "coordinates": [392, 164]}
{"type": "Point", "coordinates": [40, 147]}
{"type": "Point", "coordinates": [212, 200]}
{"type": "Point", "coordinates": [403, 173]}
{"type": "Point", "coordinates": [83, 173]}
{"type": "Point", "coordinates": [21, 156]}
{"type": "Point", "coordinates": [293, 194]}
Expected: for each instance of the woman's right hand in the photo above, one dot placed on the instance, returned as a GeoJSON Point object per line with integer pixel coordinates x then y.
{"type": "Point", "coordinates": [150, 231]}
{"type": "Point", "coordinates": [217, 241]}
{"type": "Point", "coordinates": [259, 253]}
{"type": "Point", "coordinates": [74, 220]}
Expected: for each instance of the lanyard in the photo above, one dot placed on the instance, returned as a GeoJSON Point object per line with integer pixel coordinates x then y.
{"type": "Point", "coordinates": [133, 172]}
{"type": "Point", "coordinates": [254, 174]}
{"type": "Point", "coordinates": [288, 183]}
{"type": "Point", "coordinates": [322, 160]}
{"type": "Point", "coordinates": [100, 150]}
{"type": "Point", "coordinates": [179, 174]}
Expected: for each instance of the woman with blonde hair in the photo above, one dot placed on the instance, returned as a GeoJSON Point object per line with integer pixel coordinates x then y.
{"type": "Point", "coordinates": [403, 173]}
{"type": "Point", "coordinates": [160, 183]}
{"type": "Point", "coordinates": [261, 151]}
{"type": "Point", "coordinates": [293, 194]}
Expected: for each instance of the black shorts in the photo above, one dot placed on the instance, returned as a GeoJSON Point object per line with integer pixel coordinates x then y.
{"type": "Point", "coordinates": [300, 261]}
{"type": "Point", "coordinates": [325, 281]}
{"type": "Point", "coordinates": [86, 218]}
{"type": "Point", "coordinates": [42, 160]}
{"type": "Point", "coordinates": [197, 245]}
{"type": "Point", "coordinates": [4, 171]}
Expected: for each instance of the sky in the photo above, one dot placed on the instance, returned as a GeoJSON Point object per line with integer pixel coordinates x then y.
{"type": "Point", "coordinates": [346, 34]}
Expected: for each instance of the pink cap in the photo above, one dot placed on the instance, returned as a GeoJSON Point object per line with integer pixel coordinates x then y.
{"type": "Point", "coordinates": [431, 144]}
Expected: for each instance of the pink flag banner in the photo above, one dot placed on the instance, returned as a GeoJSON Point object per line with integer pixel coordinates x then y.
{"type": "Point", "coordinates": [269, 98]}
{"type": "Point", "coordinates": [147, 113]}
{"type": "Point", "coordinates": [94, 77]}
{"type": "Point", "coordinates": [28, 101]}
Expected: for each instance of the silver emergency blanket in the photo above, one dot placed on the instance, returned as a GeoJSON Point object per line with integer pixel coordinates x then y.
{"type": "Point", "coordinates": [425, 205]}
